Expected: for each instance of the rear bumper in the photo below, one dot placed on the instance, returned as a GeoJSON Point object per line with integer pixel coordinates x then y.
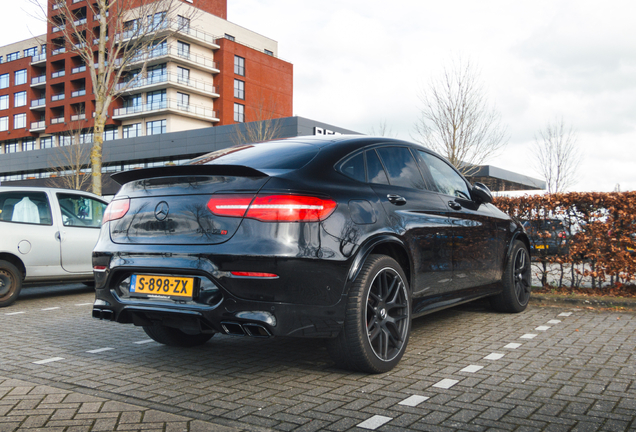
{"type": "Point", "coordinates": [307, 300]}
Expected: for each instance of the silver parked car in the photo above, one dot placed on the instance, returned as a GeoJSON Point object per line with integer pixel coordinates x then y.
{"type": "Point", "coordinates": [46, 234]}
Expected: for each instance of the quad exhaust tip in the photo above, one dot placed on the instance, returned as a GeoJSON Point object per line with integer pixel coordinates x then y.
{"type": "Point", "coordinates": [103, 314]}
{"type": "Point", "coordinates": [246, 329]}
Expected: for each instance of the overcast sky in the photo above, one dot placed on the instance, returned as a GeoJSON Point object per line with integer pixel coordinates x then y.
{"type": "Point", "coordinates": [358, 63]}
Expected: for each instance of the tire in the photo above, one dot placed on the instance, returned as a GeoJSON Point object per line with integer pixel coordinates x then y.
{"type": "Point", "coordinates": [516, 281]}
{"type": "Point", "coordinates": [377, 320]}
{"type": "Point", "coordinates": [10, 283]}
{"type": "Point", "coordinates": [174, 337]}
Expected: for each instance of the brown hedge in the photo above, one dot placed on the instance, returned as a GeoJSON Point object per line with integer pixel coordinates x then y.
{"type": "Point", "coordinates": [599, 231]}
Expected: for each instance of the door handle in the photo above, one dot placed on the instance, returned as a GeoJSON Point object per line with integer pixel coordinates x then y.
{"type": "Point", "coordinates": [58, 236]}
{"type": "Point", "coordinates": [396, 199]}
{"type": "Point", "coordinates": [454, 205]}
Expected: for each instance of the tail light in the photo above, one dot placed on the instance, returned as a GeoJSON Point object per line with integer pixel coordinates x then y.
{"type": "Point", "coordinates": [116, 210]}
{"type": "Point", "coordinates": [273, 208]}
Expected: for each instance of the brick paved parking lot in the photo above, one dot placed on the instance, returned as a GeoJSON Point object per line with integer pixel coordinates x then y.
{"type": "Point", "coordinates": [469, 369]}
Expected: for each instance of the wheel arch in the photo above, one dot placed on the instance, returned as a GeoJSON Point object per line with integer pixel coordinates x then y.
{"type": "Point", "coordinates": [383, 245]}
{"type": "Point", "coordinates": [15, 261]}
{"type": "Point", "coordinates": [518, 235]}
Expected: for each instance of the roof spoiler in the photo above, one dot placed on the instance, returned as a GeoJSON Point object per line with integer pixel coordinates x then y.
{"type": "Point", "coordinates": [186, 171]}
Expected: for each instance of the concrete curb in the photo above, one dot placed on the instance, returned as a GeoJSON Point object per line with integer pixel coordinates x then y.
{"type": "Point", "coordinates": [594, 302]}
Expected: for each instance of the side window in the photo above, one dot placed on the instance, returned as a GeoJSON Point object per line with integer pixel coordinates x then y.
{"type": "Point", "coordinates": [375, 170]}
{"type": "Point", "coordinates": [401, 167]}
{"type": "Point", "coordinates": [25, 207]}
{"type": "Point", "coordinates": [80, 210]}
{"type": "Point", "coordinates": [446, 179]}
{"type": "Point", "coordinates": [354, 167]}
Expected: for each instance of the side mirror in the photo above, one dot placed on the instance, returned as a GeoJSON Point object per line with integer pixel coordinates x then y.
{"type": "Point", "coordinates": [481, 194]}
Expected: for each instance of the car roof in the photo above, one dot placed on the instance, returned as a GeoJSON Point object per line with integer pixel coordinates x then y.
{"type": "Point", "coordinates": [47, 189]}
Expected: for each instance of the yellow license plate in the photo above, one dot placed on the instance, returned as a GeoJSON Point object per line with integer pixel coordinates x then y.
{"type": "Point", "coordinates": [161, 286]}
{"type": "Point", "coordinates": [542, 247]}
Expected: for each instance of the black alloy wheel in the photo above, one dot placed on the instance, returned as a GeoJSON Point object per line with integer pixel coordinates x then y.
{"type": "Point", "coordinates": [377, 320]}
{"type": "Point", "coordinates": [10, 283]}
{"type": "Point", "coordinates": [516, 282]}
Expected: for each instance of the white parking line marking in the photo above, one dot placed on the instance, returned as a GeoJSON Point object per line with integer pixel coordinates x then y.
{"type": "Point", "coordinates": [528, 336]}
{"type": "Point", "coordinates": [414, 400]}
{"type": "Point", "coordinates": [95, 351]}
{"type": "Point", "coordinates": [554, 322]}
{"type": "Point", "coordinates": [565, 314]}
{"type": "Point", "coordinates": [51, 308]}
{"type": "Point", "coordinates": [50, 360]}
{"type": "Point", "coordinates": [513, 345]}
{"type": "Point", "coordinates": [84, 304]}
{"type": "Point", "coordinates": [472, 368]}
{"type": "Point", "coordinates": [494, 356]}
{"type": "Point", "coordinates": [15, 313]}
{"type": "Point", "coordinates": [446, 383]}
{"type": "Point", "coordinates": [543, 328]}
{"type": "Point", "coordinates": [143, 342]}
{"type": "Point", "coordinates": [374, 422]}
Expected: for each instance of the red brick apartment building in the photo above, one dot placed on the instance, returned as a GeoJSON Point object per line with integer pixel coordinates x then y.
{"type": "Point", "coordinates": [210, 73]}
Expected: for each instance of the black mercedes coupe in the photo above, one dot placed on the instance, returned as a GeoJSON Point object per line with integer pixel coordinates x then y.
{"type": "Point", "coordinates": [345, 238]}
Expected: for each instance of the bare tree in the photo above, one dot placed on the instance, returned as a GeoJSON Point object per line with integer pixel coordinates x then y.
{"type": "Point", "coordinates": [556, 155]}
{"type": "Point", "coordinates": [383, 130]}
{"type": "Point", "coordinates": [69, 164]}
{"type": "Point", "coordinates": [129, 32]}
{"type": "Point", "coordinates": [457, 121]}
{"type": "Point", "coordinates": [265, 125]}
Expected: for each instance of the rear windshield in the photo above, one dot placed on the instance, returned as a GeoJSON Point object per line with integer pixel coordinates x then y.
{"type": "Point", "coordinates": [275, 155]}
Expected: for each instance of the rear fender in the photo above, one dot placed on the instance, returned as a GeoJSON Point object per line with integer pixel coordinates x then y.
{"type": "Point", "coordinates": [367, 248]}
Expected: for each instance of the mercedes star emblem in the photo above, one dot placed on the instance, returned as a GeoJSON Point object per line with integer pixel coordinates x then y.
{"type": "Point", "coordinates": [161, 211]}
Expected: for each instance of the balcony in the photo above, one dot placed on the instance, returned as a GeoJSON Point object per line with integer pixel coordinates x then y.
{"type": "Point", "coordinates": [38, 126]}
{"type": "Point", "coordinates": [58, 28]}
{"type": "Point", "coordinates": [165, 80]}
{"type": "Point", "coordinates": [57, 120]}
{"type": "Point", "coordinates": [187, 33]}
{"type": "Point", "coordinates": [78, 69]}
{"type": "Point", "coordinates": [77, 1]}
{"type": "Point", "coordinates": [38, 81]}
{"type": "Point", "coordinates": [58, 74]}
{"type": "Point", "coordinates": [57, 97]}
{"type": "Point", "coordinates": [38, 104]}
{"type": "Point", "coordinates": [79, 22]}
{"type": "Point", "coordinates": [97, 17]}
{"type": "Point", "coordinates": [78, 93]}
{"type": "Point", "coordinates": [58, 51]}
{"type": "Point", "coordinates": [38, 59]}
{"type": "Point", "coordinates": [96, 41]}
{"type": "Point", "coordinates": [78, 117]}
{"type": "Point", "coordinates": [190, 59]}
{"type": "Point", "coordinates": [169, 105]}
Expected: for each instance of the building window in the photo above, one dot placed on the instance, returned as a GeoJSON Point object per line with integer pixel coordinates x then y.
{"type": "Point", "coordinates": [183, 49]}
{"type": "Point", "coordinates": [239, 89]}
{"type": "Point", "coordinates": [30, 52]}
{"type": "Point", "coordinates": [183, 75]}
{"type": "Point", "coordinates": [19, 121]}
{"type": "Point", "coordinates": [183, 23]}
{"type": "Point", "coordinates": [110, 134]}
{"type": "Point", "coordinates": [269, 53]}
{"type": "Point", "coordinates": [132, 103]}
{"type": "Point", "coordinates": [28, 144]}
{"type": "Point", "coordinates": [4, 102]}
{"type": "Point", "coordinates": [132, 130]}
{"type": "Point", "coordinates": [86, 138]}
{"type": "Point", "coordinates": [239, 65]}
{"type": "Point", "coordinates": [157, 49]}
{"type": "Point", "coordinates": [156, 127]}
{"type": "Point", "coordinates": [4, 124]}
{"type": "Point", "coordinates": [230, 37]}
{"type": "Point", "coordinates": [11, 146]}
{"type": "Point", "coordinates": [157, 21]}
{"type": "Point", "coordinates": [13, 56]}
{"type": "Point", "coordinates": [239, 113]}
{"type": "Point", "coordinates": [46, 142]}
{"type": "Point", "coordinates": [183, 101]}
{"type": "Point", "coordinates": [4, 81]}
{"type": "Point", "coordinates": [19, 99]}
{"type": "Point", "coordinates": [20, 77]}
{"type": "Point", "coordinates": [156, 99]}
{"type": "Point", "coordinates": [157, 73]}
{"type": "Point", "coordinates": [65, 140]}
